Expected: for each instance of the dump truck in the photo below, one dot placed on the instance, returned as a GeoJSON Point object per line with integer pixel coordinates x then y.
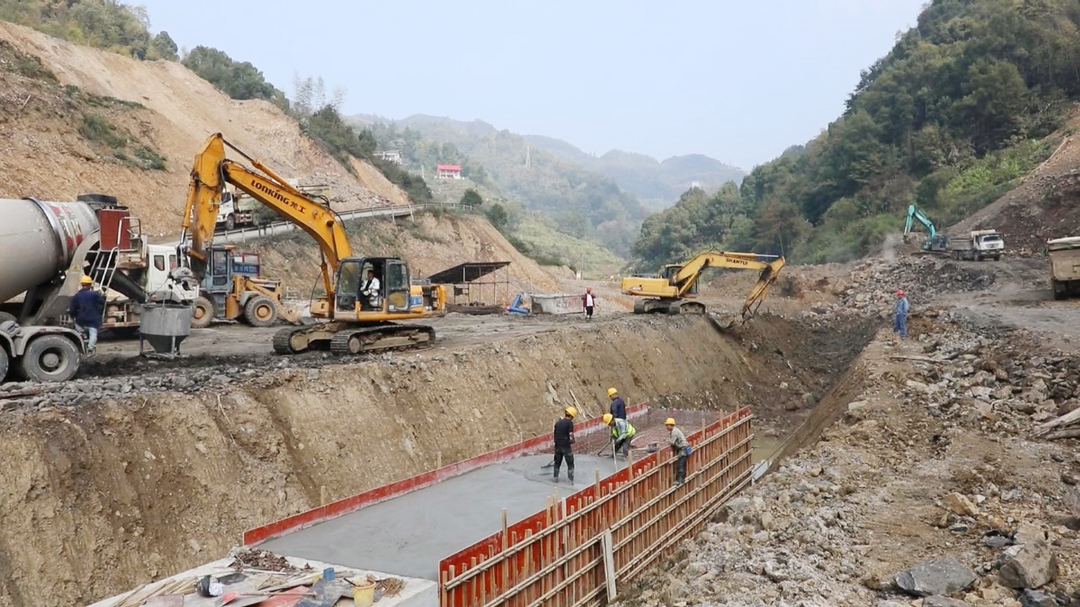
{"type": "Point", "coordinates": [977, 246]}
{"type": "Point", "coordinates": [1064, 256]}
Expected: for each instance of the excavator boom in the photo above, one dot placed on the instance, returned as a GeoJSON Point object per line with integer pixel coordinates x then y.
{"type": "Point", "coordinates": [213, 170]}
{"type": "Point", "coordinates": [669, 292]}
{"type": "Point", "coordinates": [361, 311]}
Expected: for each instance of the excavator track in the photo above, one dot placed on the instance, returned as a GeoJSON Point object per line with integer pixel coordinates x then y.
{"type": "Point", "coordinates": [381, 338]}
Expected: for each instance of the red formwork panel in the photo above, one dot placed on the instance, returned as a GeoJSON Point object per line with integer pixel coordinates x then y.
{"type": "Point", "coordinates": [353, 503]}
{"type": "Point", "coordinates": [524, 562]}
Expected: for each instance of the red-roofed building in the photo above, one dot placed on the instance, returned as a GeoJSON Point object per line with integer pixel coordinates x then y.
{"type": "Point", "coordinates": [447, 171]}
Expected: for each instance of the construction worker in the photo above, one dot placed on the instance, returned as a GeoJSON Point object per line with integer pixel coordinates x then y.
{"type": "Point", "coordinates": [901, 311]}
{"type": "Point", "coordinates": [680, 447]}
{"type": "Point", "coordinates": [564, 441]}
{"type": "Point", "coordinates": [588, 300]}
{"type": "Point", "coordinates": [371, 290]}
{"type": "Point", "coordinates": [618, 407]}
{"type": "Point", "coordinates": [87, 309]}
{"type": "Point", "coordinates": [622, 433]}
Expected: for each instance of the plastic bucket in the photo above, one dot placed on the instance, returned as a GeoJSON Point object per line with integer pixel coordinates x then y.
{"type": "Point", "coordinates": [364, 595]}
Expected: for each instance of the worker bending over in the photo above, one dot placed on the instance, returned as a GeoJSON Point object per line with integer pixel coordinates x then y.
{"type": "Point", "coordinates": [622, 433]}
{"type": "Point", "coordinates": [86, 310]}
{"type": "Point", "coordinates": [618, 407]}
{"type": "Point", "coordinates": [680, 447]}
{"type": "Point", "coordinates": [564, 441]}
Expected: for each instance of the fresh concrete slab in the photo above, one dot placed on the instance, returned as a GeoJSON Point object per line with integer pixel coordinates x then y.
{"type": "Point", "coordinates": [408, 535]}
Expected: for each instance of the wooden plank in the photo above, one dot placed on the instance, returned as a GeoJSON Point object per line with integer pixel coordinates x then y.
{"type": "Point", "coordinates": [609, 565]}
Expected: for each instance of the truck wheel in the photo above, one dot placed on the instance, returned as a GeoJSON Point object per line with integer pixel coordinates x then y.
{"type": "Point", "coordinates": [4, 317]}
{"type": "Point", "coordinates": [997, 257]}
{"type": "Point", "coordinates": [202, 313]}
{"type": "Point", "coordinates": [1061, 290]}
{"type": "Point", "coordinates": [3, 364]}
{"type": "Point", "coordinates": [230, 222]}
{"type": "Point", "coordinates": [261, 311]}
{"type": "Point", "coordinates": [49, 358]}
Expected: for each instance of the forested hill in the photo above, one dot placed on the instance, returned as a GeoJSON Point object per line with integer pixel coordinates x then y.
{"type": "Point", "coordinates": [657, 184]}
{"type": "Point", "coordinates": [582, 203]}
{"type": "Point", "coordinates": [966, 103]}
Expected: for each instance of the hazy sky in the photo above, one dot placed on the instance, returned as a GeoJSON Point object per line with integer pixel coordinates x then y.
{"type": "Point", "coordinates": [737, 80]}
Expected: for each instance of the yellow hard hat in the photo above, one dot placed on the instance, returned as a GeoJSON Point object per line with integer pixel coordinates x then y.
{"type": "Point", "coordinates": [86, 280]}
{"type": "Point", "coordinates": [669, 421]}
{"type": "Point", "coordinates": [571, 411]}
{"type": "Point", "coordinates": [612, 391]}
{"type": "Point", "coordinates": [608, 417]}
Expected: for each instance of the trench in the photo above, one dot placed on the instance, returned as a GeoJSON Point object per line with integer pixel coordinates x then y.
{"type": "Point", "coordinates": [156, 484]}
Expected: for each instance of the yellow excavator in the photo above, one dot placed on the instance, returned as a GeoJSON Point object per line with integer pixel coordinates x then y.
{"type": "Point", "coordinates": [668, 292]}
{"type": "Point", "coordinates": [359, 313]}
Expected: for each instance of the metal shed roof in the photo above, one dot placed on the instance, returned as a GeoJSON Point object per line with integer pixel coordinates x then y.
{"type": "Point", "coordinates": [466, 272]}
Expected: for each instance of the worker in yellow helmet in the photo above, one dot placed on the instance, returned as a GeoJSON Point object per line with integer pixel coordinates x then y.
{"type": "Point", "coordinates": [680, 447]}
{"type": "Point", "coordinates": [618, 407]}
{"type": "Point", "coordinates": [564, 443]}
{"type": "Point", "coordinates": [622, 433]}
{"type": "Point", "coordinates": [87, 310]}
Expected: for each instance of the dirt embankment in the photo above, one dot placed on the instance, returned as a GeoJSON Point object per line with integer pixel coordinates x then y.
{"type": "Point", "coordinates": [1045, 205]}
{"type": "Point", "coordinates": [429, 243]}
{"type": "Point", "coordinates": [103, 496]}
{"type": "Point", "coordinates": [44, 154]}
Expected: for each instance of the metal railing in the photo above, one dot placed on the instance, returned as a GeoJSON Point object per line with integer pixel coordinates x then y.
{"type": "Point", "coordinates": [573, 552]}
{"type": "Point", "coordinates": [281, 227]}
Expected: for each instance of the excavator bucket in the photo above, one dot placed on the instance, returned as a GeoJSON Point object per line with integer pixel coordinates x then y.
{"type": "Point", "coordinates": [290, 312]}
{"type": "Point", "coordinates": [761, 290]}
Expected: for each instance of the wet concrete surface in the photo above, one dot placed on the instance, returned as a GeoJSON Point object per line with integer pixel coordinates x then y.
{"type": "Point", "coordinates": [408, 535]}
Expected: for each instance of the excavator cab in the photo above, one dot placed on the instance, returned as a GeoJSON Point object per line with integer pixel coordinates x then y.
{"type": "Point", "coordinates": [394, 295]}
{"type": "Point", "coordinates": [670, 273]}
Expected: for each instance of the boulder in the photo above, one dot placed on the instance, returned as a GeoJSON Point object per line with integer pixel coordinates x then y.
{"type": "Point", "coordinates": [960, 504]}
{"type": "Point", "coordinates": [1034, 598]}
{"type": "Point", "coordinates": [1032, 566]}
{"type": "Point", "coordinates": [940, 577]}
{"type": "Point", "coordinates": [942, 601]}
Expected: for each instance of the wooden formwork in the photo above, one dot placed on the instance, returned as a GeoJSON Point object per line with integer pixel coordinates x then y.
{"type": "Point", "coordinates": [573, 552]}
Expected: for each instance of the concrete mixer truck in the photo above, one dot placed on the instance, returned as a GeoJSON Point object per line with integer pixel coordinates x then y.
{"type": "Point", "coordinates": [45, 248]}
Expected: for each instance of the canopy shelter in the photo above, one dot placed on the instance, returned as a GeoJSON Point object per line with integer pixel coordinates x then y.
{"type": "Point", "coordinates": [471, 282]}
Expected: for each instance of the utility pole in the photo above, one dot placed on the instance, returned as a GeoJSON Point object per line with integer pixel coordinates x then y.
{"type": "Point", "coordinates": [528, 158]}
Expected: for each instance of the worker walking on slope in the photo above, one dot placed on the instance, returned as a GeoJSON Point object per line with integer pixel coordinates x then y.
{"type": "Point", "coordinates": [680, 447]}
{"type": "Point", "coordinates": [589, 301]}
{"type": "Point", "coordinates": [622, 433]}
{"type": "Point", "coordinates": [618, 407]}
{"type": "Point", "coordinates": [901, 311]}
{"type": "Point", "coordinates": [86, 309]}
{"type": "Point", "coordinates": [564, 441]}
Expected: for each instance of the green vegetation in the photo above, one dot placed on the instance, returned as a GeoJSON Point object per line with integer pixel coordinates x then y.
{"type": "Point", "coordinates": [119, 143]}
{"type": "Point", "coordinates": [237, 79]}
{"type": "Point", "coordinates": [471, 198]}
{"type": "Point", "coordinates": [949, 119]}
{"type": "Point", "coordinates": [104, 24]}
{"type": "Point", "coordinates": [653, 182]}
{"type": "Point", "coordinates": [581, 203]}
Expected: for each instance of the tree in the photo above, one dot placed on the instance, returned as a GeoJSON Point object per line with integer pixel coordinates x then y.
{"type": "Point", "coordinates": [239, 80]}
{"type": "Point", "coordinates": [498, 216]}
{"type": "Point", "coordinates": [163, 47]}
{"type": "Point", "coordinates": [471, 198]}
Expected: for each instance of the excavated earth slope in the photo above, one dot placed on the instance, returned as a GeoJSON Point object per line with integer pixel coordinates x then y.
{"type": "Point", "coordinates": [100, 497]}
{"type": "Point", "coordinates": [43, 155]}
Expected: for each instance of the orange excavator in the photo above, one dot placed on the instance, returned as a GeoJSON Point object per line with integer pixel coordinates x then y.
{"type": "Point", "coordinates": [364, 297]}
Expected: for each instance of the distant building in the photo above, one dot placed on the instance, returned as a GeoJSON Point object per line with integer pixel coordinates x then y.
{"type": "Point", "coordinates": [393, 156]}
{"type": "Point", "coordinates": [447, 171]}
